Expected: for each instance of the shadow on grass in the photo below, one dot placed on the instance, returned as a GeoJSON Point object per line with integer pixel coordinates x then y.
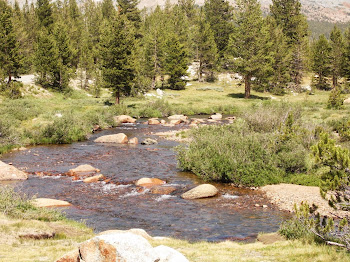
{"type": "Point", "coordinates": [241, 95]}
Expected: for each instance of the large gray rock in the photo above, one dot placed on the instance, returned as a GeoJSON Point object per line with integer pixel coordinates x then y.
{"type": "Point", "coordinates": [8, 172]}
{"type": "Point", "coordinates": [137, 231]}
{"type": "Point", "coordinates": [217, 116]}
{"type": "Point", "coordinates": [347, 101]}
{"type": "Point", "coordinates": [168, 254]}
{"type": "Point", "coordinates": [120, 138]}
{"type": "Point", "coordinates": [126, 247]}
{"type": "Point", "coordinates": [202, 191]}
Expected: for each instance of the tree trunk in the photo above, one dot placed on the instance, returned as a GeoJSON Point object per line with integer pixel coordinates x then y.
{"type": "Point", "coordinates": [117, 98]}
{"type": "Point", "coordinates": [153, 82]}
{"type": "Point", "coordinates": [335, 80]}
{"type": "Point", "coordinates": [10, 78]}
{"type": "Point", "coordinates": [247, 86]}
{"type": "Point", "coordinates": [200, 71]}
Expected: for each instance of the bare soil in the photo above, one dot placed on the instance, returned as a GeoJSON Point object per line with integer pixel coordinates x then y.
{"type": "Point", "coordinates": [286, 195]}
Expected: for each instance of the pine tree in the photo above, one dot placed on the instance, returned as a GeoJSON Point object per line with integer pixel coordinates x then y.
{"type": "Point", "coordinates": [44, 13]}
{"type": "Point", "coordinates": [346, 58]}
{"type": "Point", "coordinates": [10, 56]}
{"type": "Point", "coordinates": [337, 52]}
{"type": "Point", "coordinates": [287, 14]}
{"type": "Point", "coordinates": [220, 17]}
{"type": "Point", "coordinates": [117, 43]}
{"type": "Point", "coordinates": [246, 45]}
{"type": "Point", "coordinates": [130, 10]}
{"type": "Point", "coordinates": [108, 9]}
{"type": "Point", "coordinates": [176, 63]}
{"type": "Point", "coordinates": [46, 58]}
{"type": "Point", "coordinates": [321, 60]}
{"type": "Point", "coordinates": [206, 49]}
{"type": "Point", "coordinates": [281, 57]}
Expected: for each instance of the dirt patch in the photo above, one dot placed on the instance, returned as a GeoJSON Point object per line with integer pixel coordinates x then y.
{"type": "Point", "coordinates": [286, 195]}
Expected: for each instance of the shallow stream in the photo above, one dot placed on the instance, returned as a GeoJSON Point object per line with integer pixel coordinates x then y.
{"type": "Point", "coordinates": [118, 205]}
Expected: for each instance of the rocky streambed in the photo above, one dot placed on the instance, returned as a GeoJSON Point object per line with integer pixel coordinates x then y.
{"type": "Point", "coordinates": [115, 201]}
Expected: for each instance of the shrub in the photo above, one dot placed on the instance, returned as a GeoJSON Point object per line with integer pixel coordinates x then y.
{"type": "Point", "coordinates": [231, 154]}
{"type": "Point", "coordinates": [17, 205]}
{"type": "Point", "coordinates": [342, 127]}
{"type": "Point", "coordinates": [156, 108]}
{"type": "Point", "coordinates": [335, 100]}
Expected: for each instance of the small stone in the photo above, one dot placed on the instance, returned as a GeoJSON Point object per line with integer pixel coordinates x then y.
{"type": "Point", "coordinates": [257, 205]}
{"type": "Point", "coordinates": [133, 141]}
{"type": "Point", "coordinates": [265, 206]}
{"type": "Point", "coordinates": [153, 121]}
{"type": "Point", "coordinates": [94, 179]}
{"type": "Point", "coordinates": [149, 141]}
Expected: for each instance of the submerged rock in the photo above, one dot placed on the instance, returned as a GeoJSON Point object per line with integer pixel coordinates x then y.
{"type": "Point", "coordinates": [94, 179]}
{"type": "Point", "coordinates": [120, 138]}
{"type": "Point", "coordinates": [162, 190]}
{"type": "Point", "coordinates": [48, 202]}
{"type": "Point", "coordinates": [202, 191]}
{"type": "Point", "coordinates": [9, 172]}
{"type": "Point", "coordinates": [149, 141]}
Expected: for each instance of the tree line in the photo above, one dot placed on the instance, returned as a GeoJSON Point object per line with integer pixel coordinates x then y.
{"type": "Point", "coordinates": [116, 45]}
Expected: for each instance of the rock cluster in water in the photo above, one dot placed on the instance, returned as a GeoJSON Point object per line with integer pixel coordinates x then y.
{"type": "Point", "coordinates": [9, 172]}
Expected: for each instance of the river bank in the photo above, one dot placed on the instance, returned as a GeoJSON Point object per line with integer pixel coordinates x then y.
{"type": "Point", "coordinates": [68, 235]}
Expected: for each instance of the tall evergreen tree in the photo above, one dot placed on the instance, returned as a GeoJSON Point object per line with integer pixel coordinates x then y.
{"type": "Point", "coordinates": [220, 17]}
{"type": "Point", "coordinates": [10, 57]}
{"type": "Point", "coordinates": [130, 10]}
{"type": "Point", "coordinates": [321, 60]}
{"type": "Point", "coordinates": [346, 60]}
{"type": "Point", "coordinates": [287, 14]}
{"type": "Point", "coordinates": [44, 13]}
{"type": "Point", "coordinates": [176, 63]}
{"type": "Point", "coordinates": [46, 58]}
{"type": "Point", "coordinates": [108, 9]}
{"type": "Point", "coordinates": [206, 48]}
{"type": "Point", "coordinates": [280, 60]}
{"type": "Point", "coordinates": [247, 44]}
{"type": "Point", "coordinates": [337, 52]}
{"type": "Point", "coordinates": [117, 43]}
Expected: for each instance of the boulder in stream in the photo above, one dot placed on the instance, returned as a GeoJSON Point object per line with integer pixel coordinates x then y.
{"type": "Point", "coordinates": [83, 170]}
{"type": "Point", "coordinates": [133, 141]}
{"type": "Point", "coordinates": [48, 202]}
{"type": "Point", "coordinates": [137, 231]}
{"type": "Point", "coordinates": [153, 121]}
{"type": "Point", "coordinates": [149, 141]}
{"type": "Point", "coordinates": [178, 117]}
{"type": "Point", "coordinates": [149, 182]}
{"type": "Point", "coordinates": [120, 138]}
{"type": "Point", "coordinates": [9, 172]}
{"type": "Point", "coordinates": [202, 191]}
{"type": "Point", "coordinates": [124, 119]}
{"type": "Point", "coordinates": [217, 116]}
{"type": "Point", "coordinates": [162, 190]}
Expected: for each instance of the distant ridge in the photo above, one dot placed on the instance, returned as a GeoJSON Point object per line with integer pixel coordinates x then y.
{"type": "Point", "coordinates": [333, 11]}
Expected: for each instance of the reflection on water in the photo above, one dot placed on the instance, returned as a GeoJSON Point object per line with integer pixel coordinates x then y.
{"type": "Point", "coordinates": [120, 205]}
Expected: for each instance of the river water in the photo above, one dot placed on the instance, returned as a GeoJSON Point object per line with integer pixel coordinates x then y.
{"type": "Point", "coordinates": [119, 205]}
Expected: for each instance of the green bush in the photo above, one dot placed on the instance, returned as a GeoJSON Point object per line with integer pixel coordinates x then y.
{"type": "Point", "coordinates": [335, 100]}
{"type": "Point", "coordinates": [156, 108]}
{"type": "Point", "coordinates": [342, 127]}
{"type": "Point", "coordinates": [231, 154]}
{"type": "Point", "coordinates": [17, 205]}
{"type": "Point", "coordinates": [249, 154]}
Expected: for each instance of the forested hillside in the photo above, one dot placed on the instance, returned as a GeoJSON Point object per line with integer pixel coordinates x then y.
{"type": "Point", "coordinates": [115, 45]}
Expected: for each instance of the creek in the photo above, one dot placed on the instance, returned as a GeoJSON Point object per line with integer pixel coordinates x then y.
{"type": "Point", "coordinates": [120, 205]}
